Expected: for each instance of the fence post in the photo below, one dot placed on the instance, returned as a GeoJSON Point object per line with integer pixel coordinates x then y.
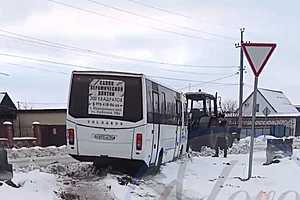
{"type": "Point", "coordinates": [37, 133]}
{"type": "Point", "coordinates": [9, 133]}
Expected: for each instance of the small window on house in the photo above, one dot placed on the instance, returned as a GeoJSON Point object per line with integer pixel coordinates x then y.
{"type": "Point", "coordinates": [54, 131]}
{"type": "Point", "coordinates": [257, 107]}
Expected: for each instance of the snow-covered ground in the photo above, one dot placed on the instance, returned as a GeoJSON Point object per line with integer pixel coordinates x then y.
{"type": "Point", "coordinates": [33, 185]}
{"type": "Point", "coordinates": [207, 178]}
{"type": "Point", "coordinates": [48, 173]}
{"type": "Point", "coordinates": [215, 178]}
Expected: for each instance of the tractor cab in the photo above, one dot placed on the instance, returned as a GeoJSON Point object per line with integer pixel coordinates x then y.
{"type": "Point", "coordinates": [202, 108]}
{"type": "Point", "coordinates": [205, 121]}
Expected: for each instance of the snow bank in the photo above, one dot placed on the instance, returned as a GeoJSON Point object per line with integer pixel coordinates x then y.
{"type": "Point", "coordinates": [204, 177]}
{"type": "Point", "coordinates": [296, 142]}
{"type": "Point", "coordinates": [243, 146]}
{"type": "Point", "coordinates": [35, 185]}
{"type": "Point", "coordinates": [25, 152]}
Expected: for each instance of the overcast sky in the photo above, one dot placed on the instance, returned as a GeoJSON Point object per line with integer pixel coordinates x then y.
{"type": "Point", "coordinates": [188, 32]}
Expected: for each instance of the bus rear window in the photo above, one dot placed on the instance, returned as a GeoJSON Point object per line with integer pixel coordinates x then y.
{"type": "Point", "coordinates": [108, 97]}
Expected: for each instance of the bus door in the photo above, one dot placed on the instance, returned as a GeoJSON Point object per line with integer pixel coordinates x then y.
{"type": "Point", "coordinates": [178, 128]}
{"type": "Point", "coordinates": [156, 126]}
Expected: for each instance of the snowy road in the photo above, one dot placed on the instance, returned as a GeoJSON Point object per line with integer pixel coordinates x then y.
{"type": "Point", "coordinates": [51, 174]}
{"type": "Point", "coordinates": [73, 180]}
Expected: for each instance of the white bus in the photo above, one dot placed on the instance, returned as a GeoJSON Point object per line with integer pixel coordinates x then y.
{"type": "Point", "coordinates": [116, 117]}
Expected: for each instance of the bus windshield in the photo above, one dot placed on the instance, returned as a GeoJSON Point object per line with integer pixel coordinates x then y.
{"type": "Point", "coordinates": [107, 97]}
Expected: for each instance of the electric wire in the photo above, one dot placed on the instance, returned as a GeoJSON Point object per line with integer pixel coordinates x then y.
{"type": "Point", "coordinates": [158, 8]}
{"type": "Point", "coordinates": [213, 82]}
{"type": "Point", "coordinates": [93, 52]}
{"type": "Point", "coordinates": [161, 21]}
{"type": "Point", "coordinates": [124, 20]}
{"type": "Point", "coordinates": [68, 65]}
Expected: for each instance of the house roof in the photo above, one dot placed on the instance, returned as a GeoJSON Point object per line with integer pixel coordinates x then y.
{"type": "Point", "coordinates": [199, 95]}
{"type": "Point", "coordinates": [46, 110]}
{"type": "Point", "coordinates": [2, 95]}
{"type": "Point", "coordinates": [7, 107]}
{"type": "Point", "coordinates": [278, 101]}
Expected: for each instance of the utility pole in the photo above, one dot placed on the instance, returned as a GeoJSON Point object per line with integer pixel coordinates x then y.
{"type": "Point", "coordinates": [19, 118]}
{"type": "Point", "coordinates": [241, 78]}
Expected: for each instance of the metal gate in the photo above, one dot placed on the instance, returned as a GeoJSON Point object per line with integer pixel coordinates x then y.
{"type": "Point", "coordinates": [53, 135]}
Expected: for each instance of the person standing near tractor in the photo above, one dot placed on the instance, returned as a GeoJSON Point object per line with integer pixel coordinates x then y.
{"type": "Point", "coordinates": [221, 139]}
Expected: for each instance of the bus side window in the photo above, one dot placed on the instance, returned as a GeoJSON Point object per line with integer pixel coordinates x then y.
{"type": "Point", "coordinates": [155, 103]}
{"type": "Point", "coordinates": [149, 102]}
{"type": "Point", "coordinates": [178, 112]}
{"type": "Point", "coordinates": [156, 113]}
{"type": "Point", "coordinates": [163, 107]}
{"type": "Point", "coordinates": [185, 106]}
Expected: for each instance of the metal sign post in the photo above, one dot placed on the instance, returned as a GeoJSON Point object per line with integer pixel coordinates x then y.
{"type": "Point", "coordinates": [254, 107]}
{"type": "Point", "coordinates": [257, 55]}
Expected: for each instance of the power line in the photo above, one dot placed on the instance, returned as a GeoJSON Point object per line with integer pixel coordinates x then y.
{"type": "Point", "coordinates": [158, 8]}
{"type": "Point", "coordinates": [161, 21]}
{"type": "Point", "coordinates": [73, 65]}
{"type": "Point", "coordinates": [176, 13]}
{"type": "Point", "coordinates": [47, 61]}
{"type": "Point", "coordinates": [213, 81]}
{"type": "Point", "coordinates": [93, 52]}
{"type": "Point", "coordinates": [123, 20]}
{"type": "Point", "coordinates": [39, 44]}
{"type": "Point", "coordinates": [162, 77]}
{"type": "Point", "coordinates": [197, 81]}
{"type": "Point", "coordinates": [36, 68]}
{"type": "Point", "coordinates": [93, 68]}
{"type": "Point", "coordinates": [191, 72]}
{"type": "Point", "coordinates": [36, 43]}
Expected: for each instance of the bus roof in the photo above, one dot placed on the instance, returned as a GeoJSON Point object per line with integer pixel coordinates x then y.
{"type": "Point", "coordinates": [119, 73]}
{"type": "Point", "coordinates": [109, 73]}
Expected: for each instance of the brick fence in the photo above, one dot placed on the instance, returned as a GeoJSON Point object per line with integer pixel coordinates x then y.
{"type": "Point", "coordinates": [8, 139]}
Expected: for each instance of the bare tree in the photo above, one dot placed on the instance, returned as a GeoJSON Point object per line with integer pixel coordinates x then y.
{"type": "Point", "coordinates": [230, 107]}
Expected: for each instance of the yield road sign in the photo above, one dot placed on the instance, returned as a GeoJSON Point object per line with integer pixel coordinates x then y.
{"type": "Point", "coordinates": [258, 54]}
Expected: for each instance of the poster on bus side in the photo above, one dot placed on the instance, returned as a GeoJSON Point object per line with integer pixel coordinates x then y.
{"type": "Point", "coordinates": [106, 97]}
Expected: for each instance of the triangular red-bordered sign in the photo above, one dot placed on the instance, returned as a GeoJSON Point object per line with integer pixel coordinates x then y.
{"type": "Point", "coordinates": [258, 54]}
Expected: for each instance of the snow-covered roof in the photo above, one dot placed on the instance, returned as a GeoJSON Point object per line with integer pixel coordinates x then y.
{"type": "Point", "coordinates": [278, 101]}
{"type": "Point", "coordinates": [297, 107]}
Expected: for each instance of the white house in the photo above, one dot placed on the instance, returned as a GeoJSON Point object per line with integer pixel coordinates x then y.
{"type": "Point", "coordinates": [283, 118]}
{"type": "Point", "coordinates": [271, 102]}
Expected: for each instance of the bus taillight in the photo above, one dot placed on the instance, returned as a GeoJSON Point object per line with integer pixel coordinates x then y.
{"type": "Point", "coordinates": [139, 141]}
{"type": "Point", "coordinates": [71, 136]}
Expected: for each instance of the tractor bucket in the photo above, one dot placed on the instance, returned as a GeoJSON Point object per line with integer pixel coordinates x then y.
{"type": "Point", "coordinates": [6, 171]}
